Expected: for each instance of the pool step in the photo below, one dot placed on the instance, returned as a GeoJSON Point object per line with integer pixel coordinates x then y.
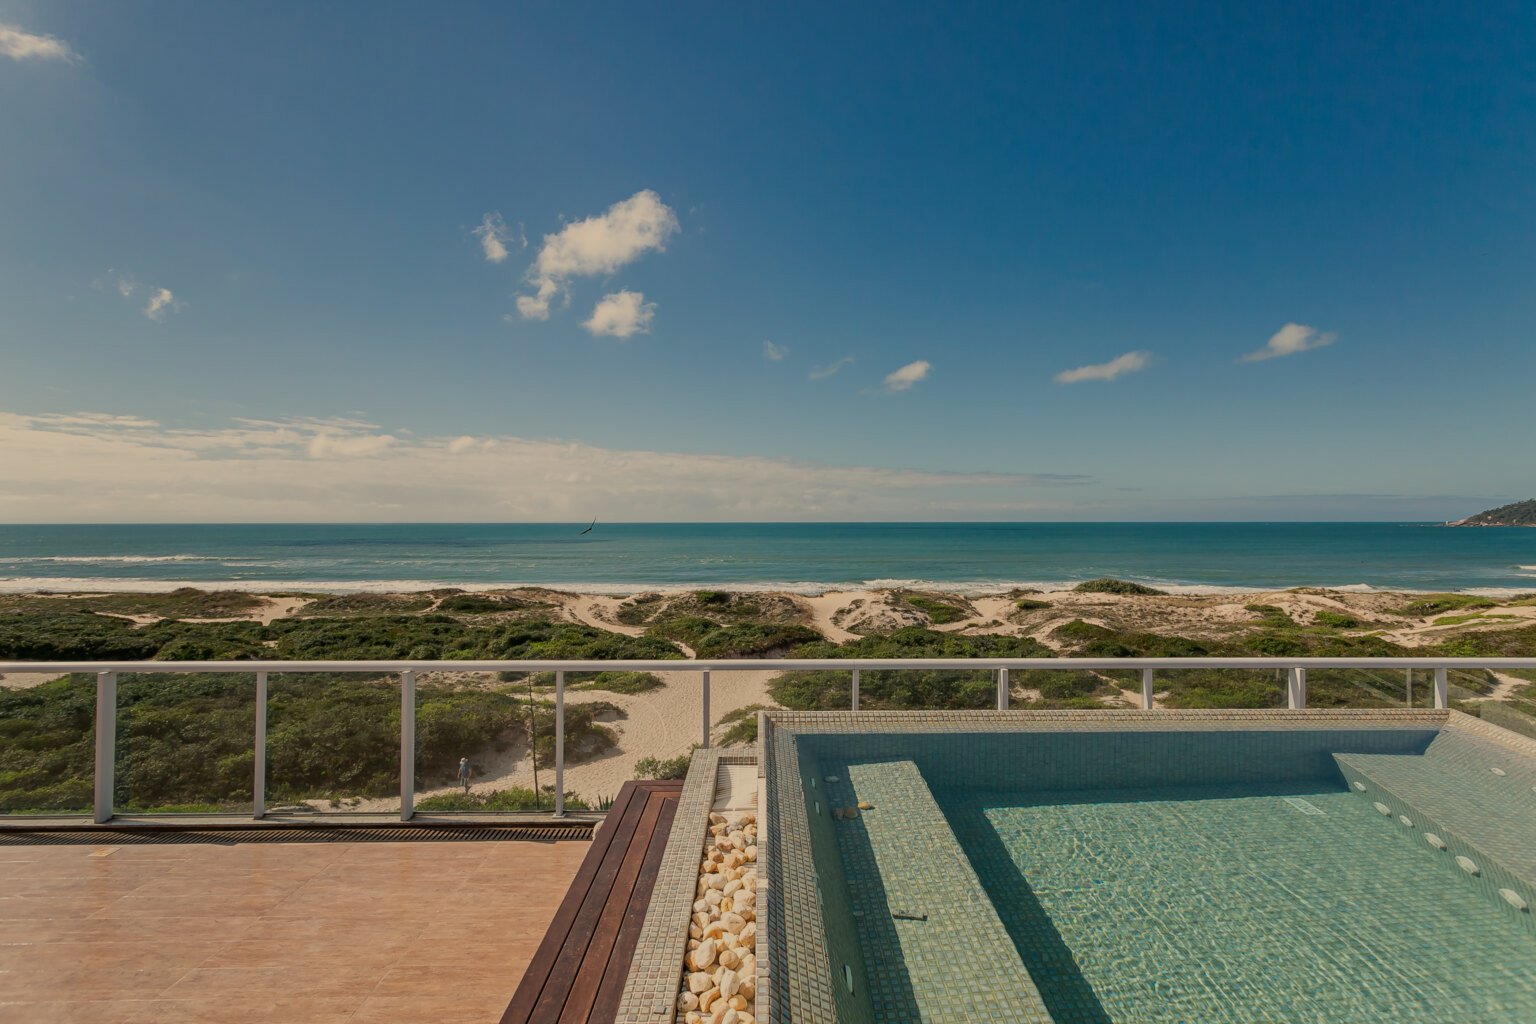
{"type": "Point", "coordinates": [1470, 799]}
{"type": "Point", "coordinates": [934, 946]}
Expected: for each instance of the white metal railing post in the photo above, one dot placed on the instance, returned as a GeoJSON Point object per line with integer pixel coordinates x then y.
{"type": "Point", "coordinates": [705, 695]}
{"type": "Point", "coordinates": [1296, 688]}
{"type": "Point", "coordinates": [855, 689]}
{"type": "Point", "coordinates": [1146, 688]}
{"type": "Point", "coordinates": [1409, 673]}
{"type": "Point", "coordinates": [106, 744]}
{"type": "Point", "coordinates": [407, 744]}
{"type": "Point", "coordinates": [1442, 688]}
{"type": "Point", "coordinates": [1002, 689]}
{"type": "Point", "coordinates": [559, 744]}
{"type": "Point", "coordinates": [259, 779]}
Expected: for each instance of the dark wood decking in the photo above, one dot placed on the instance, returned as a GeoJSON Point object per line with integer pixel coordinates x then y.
{"type": "Point", "coordinates": [578, 973]}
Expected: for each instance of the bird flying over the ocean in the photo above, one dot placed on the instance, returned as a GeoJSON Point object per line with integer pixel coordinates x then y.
{"type": "Point", "coordinates": [588, 530]}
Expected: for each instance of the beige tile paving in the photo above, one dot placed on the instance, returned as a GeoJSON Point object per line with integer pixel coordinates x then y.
{"type": "Point", "coordinates": [301, 934]}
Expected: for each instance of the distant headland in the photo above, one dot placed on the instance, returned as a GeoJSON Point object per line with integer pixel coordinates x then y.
{"type": "Point", "coordinates": [1520, 513]}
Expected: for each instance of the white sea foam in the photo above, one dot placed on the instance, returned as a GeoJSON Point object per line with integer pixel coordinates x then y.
{"type": "Point", "coordinates": [115, 559]}
{"type": "Point", "coordinates": [975, 588]}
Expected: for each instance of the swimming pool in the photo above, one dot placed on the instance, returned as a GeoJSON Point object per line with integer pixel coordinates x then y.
{"type": "Point", "coordinates": [1150, 867]}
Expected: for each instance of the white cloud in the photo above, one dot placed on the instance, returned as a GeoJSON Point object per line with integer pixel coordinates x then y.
{"type": "Point", "coordinates": [21, 45]}
{"type": "Point", "coordinates": [598, 245]}
{"type": "Point", "coordinates": [1131, 362]}
{"type": "Point", "coordinates": [93, 467]}
{"type": "Point", "coordinates": [774, 353]}
{"type": "Point", "coordinates": [125, 285]}
{"type": "Point", "coordinates": [494, 236]}
{"type": "Point", "coordinates": [161, 302]}
{"type": "Point", "coordinates": [1289, 340]}
{"type": "Point", "coordinates": [621, 314]}
{"type": "Point", "coordinates": [823, 372]}
{"type": "Point", "coordinates": [903, 378]}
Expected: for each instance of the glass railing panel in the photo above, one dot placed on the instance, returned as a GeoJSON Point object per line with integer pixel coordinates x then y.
{"type": "Point", "coordinates": [1219, 688]}
{"type": "Point", "coordinates": [333, 743]}
{"type": "Point", "coordinates": [47, 743]}
{"type": "Point", "coordinates": [485, 742]}
{"type": "Point", "coordinates": [185, 743]}
{"type": "Point", "coordinates": [1073, 689]}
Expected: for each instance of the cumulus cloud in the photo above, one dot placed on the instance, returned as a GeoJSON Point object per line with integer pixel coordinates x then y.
{"type": "Point", "coordinates": [115, 468]}
{"type": "Point", "coordinates": [125, 285]}
{"type": "Point", "coordinates": [494, 236]}
{"type": "Point", "coordinates": [19, 44]}
{"type": "Point", "coordinates": [902, 379]}
{"type": "Point", "coordinates": [598, 245]}
{"type": "Point", "coordinates": [621, 314]}
{"type": "Point", "coordinates": [774, 353]}
{"type": "Point", "coordinates": [1289, 340]}
{"type": "Point", "coordinates": [1131, 362]}
{"type": "Point", "coordinates": [823, 372]}
{"type": "Point", "coordinates": [161, 302]}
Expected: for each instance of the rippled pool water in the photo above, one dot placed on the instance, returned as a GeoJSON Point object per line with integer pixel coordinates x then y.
{"type": "Point", "coordinates": [1247, 905]}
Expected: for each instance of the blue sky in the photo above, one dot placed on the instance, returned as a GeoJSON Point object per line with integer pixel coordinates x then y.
{"type": "Point", "coordinates": [242, 278]}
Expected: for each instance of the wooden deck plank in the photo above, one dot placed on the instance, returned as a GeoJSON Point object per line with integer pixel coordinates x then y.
{"type": "Point", "coordinates": [578, 972]}
{"type": "Point", "coordinates": [606, 1007]}
{"type": "Point", "coordinates": [601, 921]}
{"type": "Point", "coordinates": [520, 1010]}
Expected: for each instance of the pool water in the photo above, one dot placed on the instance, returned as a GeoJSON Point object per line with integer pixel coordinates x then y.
{"type": "Point", "coordinates": [1246, 904]}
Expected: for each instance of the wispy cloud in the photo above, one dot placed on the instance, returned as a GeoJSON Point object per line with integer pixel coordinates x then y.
{"type": "Point", "coordinates": [1289, 340]}
{"type": "Point", "coordinates": [113, 468]}
{"type": "Point", "coordinates": [18, 44]}
{"type": "Point", "coordinates": [904, 378]}
{"type": "Point", "coordinates": [494, 236]}
{"type": "Point", "coordinates": [125, 285]}
{"type": "Point", "coordinates": [1131, 362]}
{"type": "Point", "coordinates": [597, 245]}
{"type": "Point", "coordinates": [823, 372]}
{"type": "Point", "coordinates": [621, 314]}
{"type": "Point", "coordinates": [775, 353]}
{"type": "Point", "coordinates": [161, 303]}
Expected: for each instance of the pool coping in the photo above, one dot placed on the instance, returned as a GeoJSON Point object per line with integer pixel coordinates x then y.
{"type": "Point", "coordinates": [656, 969]}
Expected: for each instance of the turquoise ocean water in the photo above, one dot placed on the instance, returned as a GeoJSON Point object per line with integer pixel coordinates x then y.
{"type": "Point", "coordinates": [624, 557]}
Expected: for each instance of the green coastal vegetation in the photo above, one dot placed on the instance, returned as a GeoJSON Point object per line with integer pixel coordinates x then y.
{"type": "Point", "coordinates": [185, 740]}
{"type": "Point", "coordinates": [1519, 513]}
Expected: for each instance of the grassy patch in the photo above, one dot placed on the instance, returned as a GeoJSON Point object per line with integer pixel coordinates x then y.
{"type": "Point", "coordinates": [1029, 604]}
{"type": "Point", "coordinates": [1271, 615]}
{"type": "Point", "coordinates": [1439, 604]}
{"type": "Point", "coordinates": [366, 604]}
{"type": "Point", "coordinates": [663, 768]}
{"type": "Point", "coordinates": [1335, 620]}
{"type": "Point", "coordinates": [1108, 585]}
{"type": "Point", "coordinates": [513, 798]}
{"type": "Point", "coordinates": [940, 610]}
{"type": "Point", "coordinates": [740, 726]}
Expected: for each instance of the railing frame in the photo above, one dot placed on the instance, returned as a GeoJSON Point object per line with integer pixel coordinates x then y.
{"type": "Point", "coordinates": [107, 675]}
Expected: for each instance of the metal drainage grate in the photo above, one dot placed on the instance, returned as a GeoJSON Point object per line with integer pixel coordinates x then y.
{"type": "Point", "coordinates": [234, 837]}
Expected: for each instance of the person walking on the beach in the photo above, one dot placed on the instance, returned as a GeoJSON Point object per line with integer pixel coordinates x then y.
{"type": "Point", "coordinates": [464, 774]}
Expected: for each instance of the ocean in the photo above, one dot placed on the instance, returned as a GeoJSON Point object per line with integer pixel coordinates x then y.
{"type": "Point", "coordinates": [805, 557]}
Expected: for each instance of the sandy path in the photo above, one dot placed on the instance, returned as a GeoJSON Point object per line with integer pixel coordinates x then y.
{"type": "Point", "coordinates": [823, 606]}
{"type": "Point", "coordinates": [601, 612]}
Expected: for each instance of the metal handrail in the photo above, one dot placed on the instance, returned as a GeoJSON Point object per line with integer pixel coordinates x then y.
{"type": "Point", "coordinates": [107, 672]}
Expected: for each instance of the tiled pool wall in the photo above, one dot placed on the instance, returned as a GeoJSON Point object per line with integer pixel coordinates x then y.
{"type": "Point", "coordinates": [811, 931]}
{"type": "Point", "coordinates": [810, 924]}
{"type": "Point", "coordinates": [1114, 759]}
